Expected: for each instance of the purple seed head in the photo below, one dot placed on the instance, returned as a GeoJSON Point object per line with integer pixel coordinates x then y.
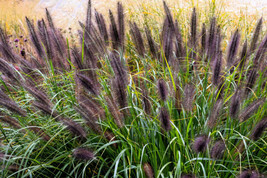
{"type": "Point", "coordinates": [83, 154]}
{"type": "Point", "coordinates": [201, 143]}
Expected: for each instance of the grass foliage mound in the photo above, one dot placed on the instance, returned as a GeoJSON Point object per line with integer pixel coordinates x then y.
{"type": "Point", "coordinates": [131, 101]}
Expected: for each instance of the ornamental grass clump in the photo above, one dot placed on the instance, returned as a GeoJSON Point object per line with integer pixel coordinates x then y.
{"type": "Point", "coordinates": [146, 98]}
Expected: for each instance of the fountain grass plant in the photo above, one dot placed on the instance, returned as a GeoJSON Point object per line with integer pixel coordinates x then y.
{"type": "Point", "coordinates": [138, 102]}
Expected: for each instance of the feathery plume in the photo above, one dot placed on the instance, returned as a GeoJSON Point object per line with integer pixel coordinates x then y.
{"type": "Point", "coordinates": [148, 170]}
{"type": "Point", "coordinates": [117, 115]}
{"type": "Point", "coordinates": [115, 38]}
{"type": "Point", "coordinates": [12, 106]}
{"type": "Point", "coordinates": [119, 90]}
{"type": "Point", "coordinates": [255, 37]}
{"type": "Point", "coordinates": [151, 43]}
{"type": "Point", "coordinates": [217, 150]}
{"type": "Point", "coordinates": [121, 24]}
{"type": "Point", "coordinates": [146, 103]}
{"type": "Point", "coordinates": [243, 56]}
{"type": "Point", "coordinates": [201, 143]}
{"type": "Point", "coordinates": [75, 128]}
{"type": "Point", "coordinates": [189, 94]}
{"type": "Point", "coordinates": [162, 89]}
{"type": "Point", "coordinates": [167, 40]}
{"type": "Point", "coordinates": [83, 154]}
{"type": "Point", "coordinates": [45, 38]}
{"type": "Point", "coordinates": [76, 58]}
{"type": "Point", "coordinates": [137, 38]}
{"type": "Point", "coordinates": [216, 77]}
{"type": "Point", "coordinates": [9, 120]}
{"type": "Point", "coordinates": [251, 80]}
{"type": "Point", "coordinates": [7, 70]}
{"type": "Point", "coordinates": [250, 109]}
{"type": "Point", "coordinates": [88, 84]}
{"type": "Point", "coordinates": [235, 104]}
{"type": "Point", "coordinates": [38, 94]}
{"type": "Point", "coordinates": [203, 38]}
{"type": "Point", "coordinates": [217, 42]}
{"type": "Point", "coordinates": [5, 48]}
{"type": "Point", "coordinates": [179, 51]}
{"type": "Point", "coordinates": [259, 129]}
{"type": "Point", "coordinates": [49, 19]}
{"type": "Point", "coordinates": [45, 108]}
{"type": "Point", "coordinates": [211, 38]}
{"type": "Point", "coordinates": [118, 68]}
{"type": "Point", "coordinates": [261, 51]}
{"type": "Point", "coordinates": [164, 118]}
{"type": "Point", "coordinates": [102, 26]}
{"type": "Point", "coordinates": [169, 15]}
{"type": "Point", "coordinates": [88, 21]}
{"type": "Point", "coordinates": [34, 38]}
{"type": "Point", "coordinates": [233, 48]}
{"type": "Point", "coordinates": [194, 28]}
{"type": "Point", "coordinates": [215, 113]}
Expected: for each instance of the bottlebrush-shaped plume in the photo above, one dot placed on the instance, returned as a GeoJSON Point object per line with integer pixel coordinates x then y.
{"type": "Point", "coordinates": [8, 71]}
{"type": "Point", "coordinates": [261, 52]}
{"type": "Point", "coordinates": [201, 143]}
{"type": "Point", "coordinates": [11, 105]}
{"type": "Point", "coordinates": [6, 49]}
{"type": "Point", "coordinates": [216, 77]}
{"type": "Point", "coordinates": [235, 104]}
{"type": "Point", "coordinates": [162, 89]}
{"type": "Point", "coordinates": [47, 109]}
{"type": "Point", "coordinates": [83, 154]}
{"type": "Point", "coordinates": [250, 109]}
{"type": "Point", "coordinates": [9, 120]}
{"type": "Point", "coordinates": [233, 48]}
{"type": "Point", "coordinates": [255, 37]}
{"type": "Point", "coordinates": [217, 150]}
{"type": "Point", "coordinates": [88, 84]}
{"type": "Point", "coordinates": [75, 128]}
{"type": "Point", "coordinates": [193, 38]}
{"type": "Point", "coordinates": [167, 40]}
{"type": "Point", "coordinates": [211, 38]}
{"type": "Point", "coordinates": [118, 67]}
{"type": "Point", "coordinates": [121, 24]}
{"type": "Point", "coordinates": [114, 110]}
{"type": "Point", "coordinates": [218, 41]}
{"type": "Point", "coordinates": [100, 21]}
{"type": "Point", "coordinates": [151, 43]}
{"type": "Point", "coordinates": [179, 48]}
{"type": "Point", "coordinates": [258, 130]}
{"type": "Point", "coordinates": [243, 55]}
{"type": "Point", "coordinates": [251, 80]}
{"type": "Point", "coordinates": [34, 38]}
{"type": "Point", "coordinates": [88, 21]}
{"type": "Point", "coordinates": [148, 170]}
{"type": "Point", "coordinates": [119, 92]}
{"type": "Point", "coordinates": [189, 95]}
{"type": "Point", "coordinates": [114, 34]}
{"type": "Point", "coordinates": [137, 38]}
{"type": "Point", "coordinates": [45, 38]}
{"type": "Point", "coordinates": [215, 113]}
{"type": "Point", "coordinates": [164, 118]}
{"type": "Point", "coordinates": [146, 103]}
{"type": "Point", "coordinates": [203, 39]}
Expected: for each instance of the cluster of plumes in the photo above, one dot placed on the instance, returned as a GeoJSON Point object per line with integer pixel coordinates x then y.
{"type": "Point", "coordinates": [51, 51]}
